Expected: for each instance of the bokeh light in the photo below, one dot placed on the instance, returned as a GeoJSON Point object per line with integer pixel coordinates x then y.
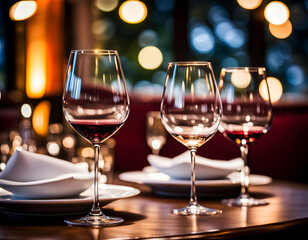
{"type": "Point", "coordinates": [133, 11]}
{"type": "Point", "coordinates": [275, 89]}
{"type": "Point", "coordinates": [276, 13]}
{"type": "Point", "coordinates": [240, 78]}
{"type": "Point", "coordinates": [53, 148]}
{"type": "Point", "coordinates": [87, 152]}
{"type": "Point", "coordinates": [150, 57]}
{"type": "Point", "coordinates": [295, 75]}
{"type": "Point", "coordinates": [278, 55]}
{"type": "Point", "coordinates": [23, 10]}
{"type": "Point", "coordinates": [218, 14]}
{"type": "Point", "coordinates": [250, 4]}
{"type": "Point", "coordinates": [146, 91]}
{"type": "Point", "coordinates": [69, 141]}
{"type": "Point", "coordinates": [26, 110]}
{"type": "Point", "coordinates": [106, 5]}
{"type": "Point", "coordinates": [281, 31]}
{"type": "Point", "coordinates": [202, 39]}
{"type": "Point", "coordinates": [231, 36]}
{"type": "Point", "coordinates": [40, 120]}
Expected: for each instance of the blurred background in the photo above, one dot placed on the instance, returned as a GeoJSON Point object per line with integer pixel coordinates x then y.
{"type": "Point", "coordinates": [37, 36]}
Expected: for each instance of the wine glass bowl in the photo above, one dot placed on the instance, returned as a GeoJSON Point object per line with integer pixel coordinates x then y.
{"type": "Point", "coordinates": [247, 115]}
{"type": "Point", "coordinates": [191, 113]}
{"type": "Point", "coordinates": [96, 105]}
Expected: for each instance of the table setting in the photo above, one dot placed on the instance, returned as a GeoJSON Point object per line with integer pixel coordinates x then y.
{"type": "Point", "coordinates": [193, 108]}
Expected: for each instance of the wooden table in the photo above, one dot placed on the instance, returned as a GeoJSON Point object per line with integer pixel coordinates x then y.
{"type": "Point", "coordinates": [148, 216]}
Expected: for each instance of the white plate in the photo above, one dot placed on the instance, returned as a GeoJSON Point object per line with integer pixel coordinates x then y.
{"type": "Point", "coordinates": [162, 184]}
{"type": "Point", "coordinates": [65, 206]}
{"type": "Point", "coordinates": [66, 185]}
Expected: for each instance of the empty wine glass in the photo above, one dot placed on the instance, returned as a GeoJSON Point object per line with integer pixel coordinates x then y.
{"type": "Point", "coordinates": [191, 113]}
{"type": "Point", "coordinates": [155, 132]}
{"type": "Point", "coordinates": [247, 115]}
{"type": "Point", "coordinates": [96, 104]}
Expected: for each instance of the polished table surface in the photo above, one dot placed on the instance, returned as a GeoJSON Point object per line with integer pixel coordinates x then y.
{"type": "Point", "coordinates": [148, 216]}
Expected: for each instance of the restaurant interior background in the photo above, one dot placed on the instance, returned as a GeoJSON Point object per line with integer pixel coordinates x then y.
{"type": "Point", "coordinates": [36, 38]}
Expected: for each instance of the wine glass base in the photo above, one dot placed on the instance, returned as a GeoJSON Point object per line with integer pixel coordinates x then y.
{"type": "Point", "coordinates": [245, 202]}
{"type": "Point", "coordinates": [196, 210]}
{"type": "Point", "coordinates": [94, 221]}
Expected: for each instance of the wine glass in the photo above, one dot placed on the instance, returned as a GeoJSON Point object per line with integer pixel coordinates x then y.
{"type": "Point", "coordinates": [96, 105]}
{"type": "Point", "coordinates": [191, 112]}
{"type": "Point", "coordinates": [247, 115]}
{"type": "Point", "coordinates": [155, 132]}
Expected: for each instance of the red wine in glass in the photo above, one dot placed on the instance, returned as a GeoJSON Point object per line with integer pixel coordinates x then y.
{"type": "Point", "coordinates": [247, 115]}
{"type": "Point", "coordinates": [240, 137]}
{"type": "Point", "coordinates": [96, 131]}
{"type": "Point", "coordinates": [96, 104]}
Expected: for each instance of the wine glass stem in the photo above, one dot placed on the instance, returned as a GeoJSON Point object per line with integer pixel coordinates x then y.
{"type": "Point", "coordinates": [96, 211]}
{"type": "Point", "coordinates": [244, 171]}
{"type": "Point", "coordinates": [193, 196]}
{"type": "Point", "coordinates": [155, 151]}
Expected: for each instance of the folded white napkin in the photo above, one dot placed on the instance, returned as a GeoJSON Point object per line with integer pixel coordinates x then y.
{"type": "Point", "coordinates": [179, 167]}
{"type": "Point", "coordinates": [35, 175]}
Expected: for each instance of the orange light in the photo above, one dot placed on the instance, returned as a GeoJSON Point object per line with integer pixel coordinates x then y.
{"type": "Point", "coordinates": [40, 120]}
{"type": "Point", "coordinates": [22, 10]}
{"type": "Point", "coordinates": [250, 4]}
{"type": "Point", "coordinates": [133, 11]}
{"type": "Point", "coordinates": [274, 87]}
{"type": "Point", "coordinates": [36, 69]}
{"type": "Point", "coordinates": [276, 13]}
{"type": "Point", "coordinates": [241, 78]}
{"type": "Point", "coordinates": [44, 70]}
{"type": "Point", "coordinates": [150, 57]}
{"type": "Point", "coordinates": [281, 31]}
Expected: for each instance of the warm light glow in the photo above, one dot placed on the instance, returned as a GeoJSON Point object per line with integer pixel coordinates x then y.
{"type": "Point", "coordinates": [281, 31]}
{"type": "Point", "coordinates": [23, 10]}
{"type": "Point", "coordinates": [87, 152]}
{"type": "Point", "coordinates": [275, 89]}
{"type": "Point", "coordinates": [249, 4]}
{"type": "Point", "coordinates": [150, 57]}
{"type": "Point", "coordinates": [40, 119]}
{"type": "Point", "coordinates": [2, 166]}
{"type": "Point", "coordinates": [106, 5]}
{"type": "Point", "coordinates": [276, 13]}
{"type": "Point", "coordinates": [69, 141]}
{"type": "Point", "coordinates": [53, 148]}
{"type": "Point", "coordinates": [4, 149]}
{"type": "Point", "coordinates": [36, 69]}
{"type": "Point", "coordinates": [26, 110]}
{"type": "Point", "coordinates": [240, 78]}
{"type": "Point", "coordinates": [133, 11]}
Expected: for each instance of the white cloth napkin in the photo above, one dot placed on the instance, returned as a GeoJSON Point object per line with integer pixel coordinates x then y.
{"type": "Point", "coordinates": [35, 175]}
{"type": "Point", "coordinates": [24, 166]}
{"type": "Point", "coordinates": [179, 167]}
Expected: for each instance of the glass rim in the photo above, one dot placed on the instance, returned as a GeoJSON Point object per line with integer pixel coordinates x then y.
{"type": "Point", "coordinates": [190, 63]}
{"type": "Point", "coordinates": [232, 69]}
{"type": "Point", "coordinates": [93, 51]}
